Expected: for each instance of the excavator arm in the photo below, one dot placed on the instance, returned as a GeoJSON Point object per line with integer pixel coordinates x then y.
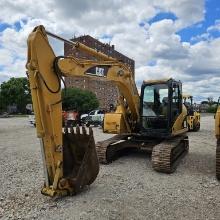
{"type": "Point", "coordinates": [125, 118]}
{"type": "Point", "coordinates": [70, 159]}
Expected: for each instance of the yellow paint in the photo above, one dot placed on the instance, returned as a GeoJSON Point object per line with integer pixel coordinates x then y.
{"type": "Point", "coordinates": [217, 123]}
{"type": "Point", "coordinates": [178, 126]}
{"type": "Point", "coordinates": [48, 108]}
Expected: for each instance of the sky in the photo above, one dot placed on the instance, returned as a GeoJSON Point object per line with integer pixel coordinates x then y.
{"type": "Point", "coordinates": [166, 38]}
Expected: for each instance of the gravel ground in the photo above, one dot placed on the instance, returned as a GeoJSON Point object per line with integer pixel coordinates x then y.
{"type": "Point", "coordinates": [126, 189]}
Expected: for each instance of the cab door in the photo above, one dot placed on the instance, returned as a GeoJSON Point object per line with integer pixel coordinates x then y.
{"type": "Point", "coordinates": [175, 101]}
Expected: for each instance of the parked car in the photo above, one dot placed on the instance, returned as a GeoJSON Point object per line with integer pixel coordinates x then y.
{"type": "Point", "coordinates": [94, 117]}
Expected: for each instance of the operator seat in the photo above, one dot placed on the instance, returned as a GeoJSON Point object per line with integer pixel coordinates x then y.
{"type": "Point", "coordinates": [164, 106]}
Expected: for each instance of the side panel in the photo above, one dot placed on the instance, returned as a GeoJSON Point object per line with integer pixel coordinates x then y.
{"type": "Point", "coordinates": [114, 123]}
{"type": "Point", "coordinates": [190, 121]}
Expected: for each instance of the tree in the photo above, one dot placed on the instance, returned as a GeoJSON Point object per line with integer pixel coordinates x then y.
{"type": "Point", "coordinates": [16, 91]}
{"type": "Point", "coordinates": [210, 100]}
{"type": "Point", "coordinates": [79, 100]}
{"type": "Point", "coordinates": [212, 109]}
{"type": "Point", "coordinates": [204, 102]}
{"type": "Point", "coordinates": [2, 103]}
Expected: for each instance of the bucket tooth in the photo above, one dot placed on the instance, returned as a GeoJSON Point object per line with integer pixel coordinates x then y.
{"type": "Point", "coordinates": [84, 130]}
{"type": "Point", "coordinates": [71, 129]}
{"type": "Point", "coordinates": [66, 130]}
{"type": "Point", "coordinates": [77, 130]}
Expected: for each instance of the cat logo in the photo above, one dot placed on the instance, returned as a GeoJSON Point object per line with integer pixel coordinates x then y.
{"type": "Point", "coordinates": [100, 71]}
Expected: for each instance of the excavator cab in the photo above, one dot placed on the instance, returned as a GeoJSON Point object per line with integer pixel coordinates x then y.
{"type": "Point", "coordinates": [161, 105]}
{"type": "Point", "coordinates": [163, 123]}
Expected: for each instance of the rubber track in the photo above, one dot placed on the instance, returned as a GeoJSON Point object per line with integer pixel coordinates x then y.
{"type": "Point", "coordinates": [105, 151]}
{"type": "Point", "coordinates": [166, 155]}
{"type": "Point", "coordinates": [218, 160]}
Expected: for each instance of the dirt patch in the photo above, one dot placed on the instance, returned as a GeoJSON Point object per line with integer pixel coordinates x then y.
{"type": "Point", "coordinates": [126, 189]}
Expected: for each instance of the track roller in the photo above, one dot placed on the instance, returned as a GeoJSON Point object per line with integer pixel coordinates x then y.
{"type": "Point", "coordinates": [218, 160]}
{"type": "Point", "coordinates": [166, 155]}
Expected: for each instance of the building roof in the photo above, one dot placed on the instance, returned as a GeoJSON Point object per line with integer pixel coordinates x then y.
{"type": "Point", "coordinates": [106, 48]}
{"type": "Point", "coordinates": [156, 81]}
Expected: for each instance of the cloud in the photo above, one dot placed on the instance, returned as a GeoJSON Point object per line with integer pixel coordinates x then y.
{"type": "Point", "coordinates": [215, 27]}
{"type": "Point", "coordinates": [188, 12]}
{"type": "Point", "coordinates": [164, 42]}
{"type": "Point", "coordinates": [204, 58]}
{"type": "Point", "coordinates": [208, 35]}
{"type": "Point", "coordinates": [159, 42]}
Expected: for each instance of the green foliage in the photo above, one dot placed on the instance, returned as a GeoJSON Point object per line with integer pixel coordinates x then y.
{"type": "Point", "coordinates": [79, 100]}
{"type": "Point", "coordinates": [2, 104]}
{"type": "Point", "coordinates": [15, 91]}
{"type": "Point", "coordinates": [204, 102]}
{"type": "Point", "coordinates": [212, 109]}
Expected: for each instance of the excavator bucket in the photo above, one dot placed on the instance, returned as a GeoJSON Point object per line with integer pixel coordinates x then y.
{"type": "Point", "coordinates": [80, 161]}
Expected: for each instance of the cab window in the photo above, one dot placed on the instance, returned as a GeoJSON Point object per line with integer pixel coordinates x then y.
{"type": "Point", "coordinates": [92, 113]}
{"type": "Point", "coordinates": [155, 100]}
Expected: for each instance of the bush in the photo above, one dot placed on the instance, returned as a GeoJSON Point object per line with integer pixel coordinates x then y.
{"type": "Point", "coordinates": [79, 100]}
{"type": "Point", "coordinates": [212, 109]}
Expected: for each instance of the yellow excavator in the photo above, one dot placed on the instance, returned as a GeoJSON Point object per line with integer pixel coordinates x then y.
{"type": "Point", "coordinates": [193, 115]}
{"type": "Point", "coordinates": [155, 121]}
{"type": "Point", "coordinates": [217, 135]}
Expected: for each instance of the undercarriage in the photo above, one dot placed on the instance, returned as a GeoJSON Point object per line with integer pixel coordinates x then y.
{"type": "Point", "coordinates": [218, 160]}
{"type": "Point", "coordinates": [166, 153]}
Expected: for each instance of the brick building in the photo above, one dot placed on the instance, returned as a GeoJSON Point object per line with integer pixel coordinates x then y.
{"type": "Point", "coordinates": [106, 92]}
